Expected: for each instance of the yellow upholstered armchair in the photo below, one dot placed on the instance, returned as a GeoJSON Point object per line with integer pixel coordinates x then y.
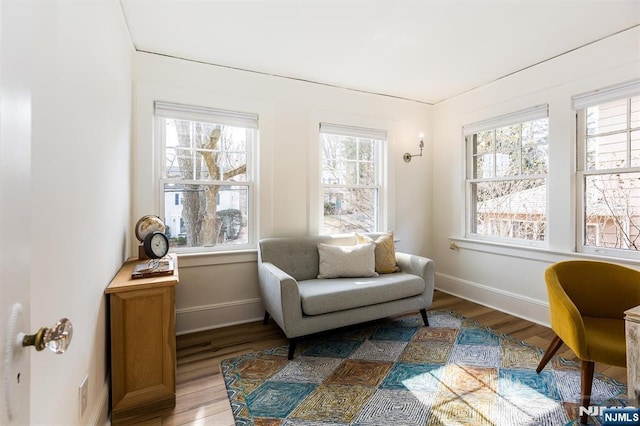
{"type": "Point", "coordinates": [587, 300]}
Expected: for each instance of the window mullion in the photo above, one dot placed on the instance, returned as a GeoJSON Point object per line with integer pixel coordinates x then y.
{"type": "Point", "coordinates": [509, 178]}
{"type": "Point", "coordinates": [494, 153]}
{"type": "Point", "coordinates": [338, 185]}
{"type": "Point", "coordinates": [521, 150]}
{"type": "Point", "coordinates": [205, 182]}
{"type": "Point", "coordinates": [192, 142]}
{"type": "Point", "coordinates": [357, 161]}
{"type": "Point", "coordinates": [628, 132]}
{"type": "Point", "coordinates": [581, 135]}
{"type": "Point", "coordinates": [611, 171]}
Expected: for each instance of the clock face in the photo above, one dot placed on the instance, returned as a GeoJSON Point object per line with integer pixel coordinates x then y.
{"type": "Point", "coordinates": [156, 245]}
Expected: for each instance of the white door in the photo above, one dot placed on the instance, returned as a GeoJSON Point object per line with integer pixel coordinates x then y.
{"type": "Point", "coordinates": [15, 213]}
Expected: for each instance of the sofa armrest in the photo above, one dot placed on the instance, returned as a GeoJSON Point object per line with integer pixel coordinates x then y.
{"type": "Point", "coordinates": [421, 266]}
{"type": "Point", "coordinates": [280, 295]}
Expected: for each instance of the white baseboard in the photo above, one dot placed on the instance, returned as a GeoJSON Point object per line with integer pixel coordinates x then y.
{"type": "Point", "coordinates": [207, 317]}
{"type": "Point", "coordinates": [512, 303]}
{"type": "Point", "coordinates": [100, 414]}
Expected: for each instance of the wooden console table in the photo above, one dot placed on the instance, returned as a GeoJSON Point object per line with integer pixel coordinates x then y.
{"type": "Point", "coordinates": [143, 344]}
{"type": "Point", "coordinates": [632, 326]}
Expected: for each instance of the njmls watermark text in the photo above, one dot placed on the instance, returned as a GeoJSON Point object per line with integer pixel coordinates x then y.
{"type": "Point", "coordinates": [613, 416]}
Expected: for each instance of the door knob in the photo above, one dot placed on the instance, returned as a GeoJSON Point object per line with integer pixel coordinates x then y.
{"type": "Point", "coordinates": [57, 338]}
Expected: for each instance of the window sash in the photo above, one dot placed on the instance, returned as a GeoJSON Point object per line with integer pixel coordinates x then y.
{"type": "Point", "coordinates": [207, 247]}
{"type": "Point", "coordinates": [379, 138]}
{"type": "Point", "coordinates": [582, 139]}
{"type": "Point", "coordinates": [251, 141]}
{"type": "Point", "coordinates": [583, 173]}
{"type": "Point", "coordinates": [473, 183]}
{"type": "Point", "coordinates": [508, 178]}
{"type": "Point", "coordinates": [166, 111]}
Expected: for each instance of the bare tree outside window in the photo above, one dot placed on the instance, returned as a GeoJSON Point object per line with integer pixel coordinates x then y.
{"type": "Point", "coordinates": [350, 183]}
{"type": "Point", "coordinates": [507, 183]}
{"type": "Point", "coordinates": [206, 184]}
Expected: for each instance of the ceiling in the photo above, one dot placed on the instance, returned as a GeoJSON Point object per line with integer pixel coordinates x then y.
{"type": "Point", "coordinates": [422, 50]}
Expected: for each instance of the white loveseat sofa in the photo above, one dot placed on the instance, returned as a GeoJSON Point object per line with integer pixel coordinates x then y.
{"type": "Point", "coordinates": [302, 304]}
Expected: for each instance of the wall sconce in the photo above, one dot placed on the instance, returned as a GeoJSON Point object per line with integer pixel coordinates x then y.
{"type": "Point", "coordinates": [407, 157]}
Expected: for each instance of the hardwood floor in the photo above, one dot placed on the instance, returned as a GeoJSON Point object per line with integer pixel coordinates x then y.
{"type": "Point", "coordinates": [201, 393]}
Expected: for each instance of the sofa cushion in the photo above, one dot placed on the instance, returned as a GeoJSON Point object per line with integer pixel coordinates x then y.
{"type": "Point", "coordinates": [346, 261]}
{"type": "Point", "coordinates": [385, 252]}
{"type": "Point", "coordinates": [321, 296]}
{"type": "Point", "coordinates": [298, 256]}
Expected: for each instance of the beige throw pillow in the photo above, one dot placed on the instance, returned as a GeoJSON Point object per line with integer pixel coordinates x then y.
{"type": "Point", "coordinates": [385, 252]}
{"type": "Point", "coordinates": [347, 261]}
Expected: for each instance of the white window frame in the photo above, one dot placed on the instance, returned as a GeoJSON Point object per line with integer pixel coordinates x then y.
{"type": "Point", "coordinates": [523, 116]}
{"type": "Point", "coordinates": [581, 102]}
{"type": "Point", "coordinates": [170, 110]}
{"type": "Point", "coordinates": [381, 150]}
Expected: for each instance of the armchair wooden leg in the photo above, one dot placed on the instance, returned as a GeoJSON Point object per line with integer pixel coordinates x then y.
{"type": "Point", "coordinates": [423, 312]}
{"type": "Point", "coordinates": [586, 383]}
{"type": "Point", "coordinates": [266, 318]}
{"type": "Point", "coordinates": [551, 351]}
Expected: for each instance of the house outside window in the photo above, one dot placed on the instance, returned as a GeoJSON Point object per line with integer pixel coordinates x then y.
{"type": "Point", "coordinates": [608, 170]}
{"type": "Point", "coordinates": [506, 185]}
{"type": "Point", "coordinates": [351, 178]}
{"type": "Point", "coordinates": [207, 162]}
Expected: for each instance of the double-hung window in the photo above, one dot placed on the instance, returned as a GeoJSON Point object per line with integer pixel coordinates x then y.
{"type": "Point", "coordinates": [506, 179]}
{"type": "Point", "coordinates": [206, 184]}
{"type": "Point", "coordinates": [351, 178]}
{"type": "Point", "coordinates": [608, 170]}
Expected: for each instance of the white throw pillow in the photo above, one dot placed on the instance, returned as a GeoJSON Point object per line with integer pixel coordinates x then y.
{"type": "Point", "coordinates": [347, 261]}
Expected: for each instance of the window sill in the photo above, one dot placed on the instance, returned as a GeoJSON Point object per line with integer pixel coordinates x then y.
{"type": "Point", "coordinates": [188, 260]}
{"type": "Point", "coordinates": [539, 254]}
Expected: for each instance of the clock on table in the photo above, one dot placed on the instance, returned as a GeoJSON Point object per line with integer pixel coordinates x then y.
{"type": "Point", "coordinates": [154, 244]}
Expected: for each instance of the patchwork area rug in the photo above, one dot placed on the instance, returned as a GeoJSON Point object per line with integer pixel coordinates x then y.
{"type": "Point", "coordinates": [455, 372]}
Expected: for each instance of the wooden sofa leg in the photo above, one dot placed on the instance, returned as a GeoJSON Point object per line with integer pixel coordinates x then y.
{"type": "Point", "coordinates": [292, 347]}
{"type": "Point", "coordinates": [266, 318]}
{"type": "Point", "coordinates": [423, 312]}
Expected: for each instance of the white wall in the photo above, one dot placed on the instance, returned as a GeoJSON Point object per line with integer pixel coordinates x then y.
{"type": "Point", "coordinates": [512, 279]}
{"type": "Point", "coordinates": [216, 290]}
{"type": "Point", "coordinates": [80, 216]}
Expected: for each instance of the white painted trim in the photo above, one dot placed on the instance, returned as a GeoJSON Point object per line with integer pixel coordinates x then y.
{"type": "Point", "coordinates": [208, 317]}
{"type": "Point", "coordinates": [213, 327]}
{"type": "Point", "coordinates": [218, 306]}
{"type": "Point", "coordinates": [544, 255]}
{"type": "Point", "coordinates": [100, 415]}
{"type": "Point", "coordinates": [529, 114]}
{"type": "Point", "coordinates": [627, 89]}
{"type": "Point", "coordinates": [145, 157]}
{"type": "Point", "coordinates": [387, 214]}
{"type": "Point", "coordinates": [533, 310]}
{"type": "Point", "coordinates": [218, 258]}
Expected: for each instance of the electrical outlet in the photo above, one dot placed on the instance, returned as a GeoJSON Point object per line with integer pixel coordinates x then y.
{"type": "Point", "coordinates": [83, 394]}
